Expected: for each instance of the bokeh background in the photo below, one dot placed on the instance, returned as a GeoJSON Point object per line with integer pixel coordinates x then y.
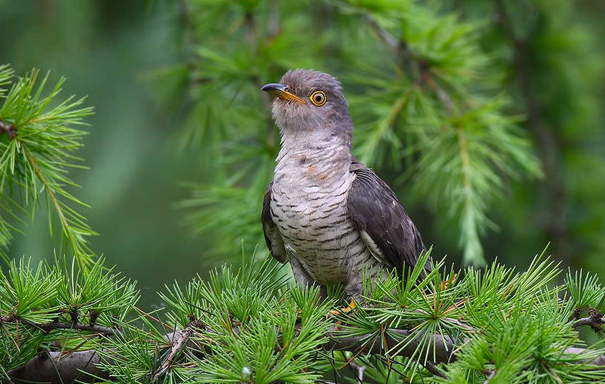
{"type": "Point", "coordinates": [181, 145]}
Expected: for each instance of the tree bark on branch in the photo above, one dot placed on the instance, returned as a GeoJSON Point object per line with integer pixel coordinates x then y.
{"type": "Point", "coordinates": [57, 367]}
{"type": "Point", "coordinates": [65, 368]}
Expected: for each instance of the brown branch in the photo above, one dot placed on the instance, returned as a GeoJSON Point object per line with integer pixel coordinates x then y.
{"type": "Point", "coordinates": [178, 342]}
{"type": "Point", "coordinates": [359, 369]}
{"type": "Point", "coordinates": [59, 368]}
{"type": "Point", "coordinates": [47, 327]}
{"type": "Point", "coordinates": [598, 361]}
{"type": "Point", "coordinates": [441, 348]}
{"type": "Point", "coordinates": [252, 42]}
{"type": "Point", "coordinates": [594, 320]}
{"type": "Point", "coordinates": [575, 315]}
{"type": "Point", "coordinates": [274, 19]}
{"type": "Point", "coordinates": [489, 376]}
{"type": "Point", "coordinates": [185, 19]}
{"type": "Point", "coordinates": [444, 350]}
{"type": "Point", "coordinates": [432, 368]}
{"type": "Point", "coordinates": [250, 24]}
{"type": "Point", "coordinates": [9, 129]}
{"type": "Point", "coordinates": [55, 367]}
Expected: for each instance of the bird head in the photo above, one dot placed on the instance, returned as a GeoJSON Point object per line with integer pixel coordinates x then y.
{"type": "Point", "coordinates": [310, 103]}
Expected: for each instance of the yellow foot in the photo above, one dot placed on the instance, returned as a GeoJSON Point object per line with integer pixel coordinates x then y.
{"type": "Point", "coordinates": [448, 283]}
{"type": "Point", "coordinates": [340, 311]}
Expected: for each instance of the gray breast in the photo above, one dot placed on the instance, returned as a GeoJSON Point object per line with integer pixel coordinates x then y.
{"type": "Point", "coordinates": [309, 206]}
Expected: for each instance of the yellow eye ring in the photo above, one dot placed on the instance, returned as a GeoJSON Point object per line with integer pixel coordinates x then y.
{"type": "Point", "coordinates": [318, 98]}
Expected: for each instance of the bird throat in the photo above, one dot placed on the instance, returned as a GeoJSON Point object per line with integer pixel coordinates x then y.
{"type": "Point", "coordinates": [311, 163]}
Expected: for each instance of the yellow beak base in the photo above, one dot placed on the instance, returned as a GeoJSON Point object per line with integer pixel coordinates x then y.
{"type": "Point", "coordinates": [281, 91]}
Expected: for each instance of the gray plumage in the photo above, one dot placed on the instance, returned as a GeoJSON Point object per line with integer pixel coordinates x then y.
{"type": "Point", "coordinates": [325, 212]}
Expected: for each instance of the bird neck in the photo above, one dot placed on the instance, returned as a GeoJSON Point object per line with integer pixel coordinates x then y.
{"type": "Point", "coordinates": [319, 145]}
{"type": "Point", "coordinates": [317, 151]}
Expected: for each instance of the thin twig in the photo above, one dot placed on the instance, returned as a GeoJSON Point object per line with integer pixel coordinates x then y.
{"type": "Point", "coordinates": [441, 348]}
{"type": "Point", "coordinates": [47, 327]}
{"type": "Point", "coordinates": [9, 129]}
{"type": "Point", "coordinates": [178, 343]}
{"type": "Point", "coordinates": [75, 245]}
{"type": "Point", "coordinates": [432, 368]}
{"type": "Point", "coordinates": [575, 315]}
{"type": "Point", "coordinates": [359, 370]}
{"type": "Point", "coordinates": [594, 320]}
{"type": "Point", "coordinates": [489, 375]}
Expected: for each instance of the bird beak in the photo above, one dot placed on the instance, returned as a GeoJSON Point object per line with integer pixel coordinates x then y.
{"type": "Point", "coordinates": [280, 91]}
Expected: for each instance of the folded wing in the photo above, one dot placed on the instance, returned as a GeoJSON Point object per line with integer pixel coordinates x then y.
{"type": "Point", "coordinates": [273, 238]}
{"type": "Point", "coordinates": [383, 224]}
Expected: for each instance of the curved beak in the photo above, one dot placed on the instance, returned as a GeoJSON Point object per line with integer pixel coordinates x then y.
{"type": "Point", "coordinates": [281, 91]}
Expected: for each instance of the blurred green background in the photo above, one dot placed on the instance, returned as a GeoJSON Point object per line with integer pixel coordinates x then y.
{"type": "Point", "coordinates": [175, 89]}
{"type": "Point", "coordinates": [105, 49]}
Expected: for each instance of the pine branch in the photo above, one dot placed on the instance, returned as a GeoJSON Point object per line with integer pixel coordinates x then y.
{"type": "Point", "coordinates": [56, 367]}
{"type": "Point", "coordinates": [8, 129]}
{"type": "Point", "coordinates": [374, 344]}
{"type": "Point", "coordinates": [441, 78]}
{"type": "Point", "coordinates": [61, 368]}
{"type": "Point", "coordinates": [47, 327]}
{"type": "Point", "coordinates": [594, 321]}
{"type": "Point", "coordinates": [473, 251]}
{"type": "Point", "coordinates": [73, 241]}
{"type": "Point", "coordinates": [369, 146]}
{"type": "Point", "coordinates": [548, 145]}
{"type": "Point", "coordinates": [178, 341]}
{"type": "Point", "coordinates": [251, 324]}
{"type": "Point", "coordinates": [37, 156]}
{"type": "Point", "coordinates": [489, 376]}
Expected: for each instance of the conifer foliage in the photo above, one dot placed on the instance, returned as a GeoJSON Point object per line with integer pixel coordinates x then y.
{"type": "Point", "coordinates": [38, 137]}
{"type": "Point", "coordinates": [426, 98]}
{"type": "Point", "coordinates": [424, 95]}
{"type": "Point", "coordinates": [254, 325]}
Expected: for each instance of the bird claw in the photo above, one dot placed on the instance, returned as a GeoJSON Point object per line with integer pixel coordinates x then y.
{"type": "Point", "coordinates": [448, 283]}
{"type": "Point", "coordinates": [352, 305]}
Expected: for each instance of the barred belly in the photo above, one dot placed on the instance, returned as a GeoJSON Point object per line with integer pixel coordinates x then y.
{"type": "Point", "coordinates": [310, 210]}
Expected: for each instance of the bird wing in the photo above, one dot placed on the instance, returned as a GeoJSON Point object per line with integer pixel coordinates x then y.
{"type": "Point", "coordinates": [274, 241]}
{"type": "Point", "coordinates": [384, 226]}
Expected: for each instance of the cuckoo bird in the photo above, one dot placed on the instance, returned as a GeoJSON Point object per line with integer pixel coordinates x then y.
{"type": "Point", "coordinates": [325, 212]}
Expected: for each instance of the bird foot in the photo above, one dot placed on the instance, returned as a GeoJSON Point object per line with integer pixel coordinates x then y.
{"type": "Point", "coordinates": [449, 283]}
{"type": "Point", "coordinates": [352, 305]}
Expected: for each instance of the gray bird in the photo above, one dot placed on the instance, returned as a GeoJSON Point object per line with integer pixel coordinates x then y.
{"type": "Point", "coordinates": [325, 212]}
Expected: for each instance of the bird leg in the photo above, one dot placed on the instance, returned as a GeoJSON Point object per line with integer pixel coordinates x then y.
{"type": "Point", "coordinates": [449, 283]}
{"type": "Point", "coordinates": [352, 305]}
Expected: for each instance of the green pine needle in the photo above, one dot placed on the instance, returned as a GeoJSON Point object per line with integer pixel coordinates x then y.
{"type": "Point", "coordinates": [37, 155]}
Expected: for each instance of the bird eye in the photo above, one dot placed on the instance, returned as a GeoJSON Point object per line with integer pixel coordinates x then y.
{"type": "Point", "coordinates": [318, 98]}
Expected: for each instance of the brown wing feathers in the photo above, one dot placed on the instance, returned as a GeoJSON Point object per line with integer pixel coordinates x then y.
{"type": "Point", "coordinates": [375, 209]}
{"type": "Point", "coordinates": [272, 236]}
